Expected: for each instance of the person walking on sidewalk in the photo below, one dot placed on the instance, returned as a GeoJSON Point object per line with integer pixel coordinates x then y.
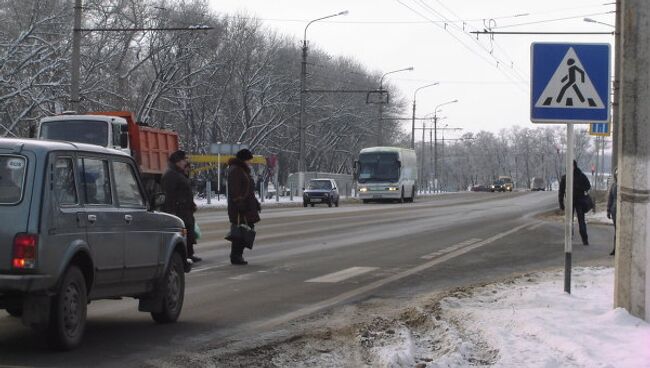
{"type": "Point", "coordinates": [581, 200]}
{"type": "Point", "coordinates": [611, 206]}
{"type": "Point", "coordinates": [243, 207]}
{"type": "Point", "coordinates": [179, 200]}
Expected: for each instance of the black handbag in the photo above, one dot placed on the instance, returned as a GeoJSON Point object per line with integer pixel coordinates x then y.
{"type": "Point", "coordinates": [242, 234]}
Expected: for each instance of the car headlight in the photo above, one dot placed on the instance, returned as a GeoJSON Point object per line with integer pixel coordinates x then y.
{"type": "Point", "coordinates": [393, 189]}
{"type": "Point", "coordinates": [493, 187]}
{"type": "Point", "coordinates": [363, 189]}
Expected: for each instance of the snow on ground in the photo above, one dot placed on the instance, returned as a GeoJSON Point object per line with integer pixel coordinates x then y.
{"type": "Point", "coordinates": [525, 322]}
{"type": "Point", "coordinates": [599, 217]}
{"type": "Point", "coordinates": [533, 323]}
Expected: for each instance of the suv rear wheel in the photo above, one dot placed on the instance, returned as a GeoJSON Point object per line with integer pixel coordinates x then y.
{"type": "Point", "coordinates": [68, 311]}
{"type": "Point", "coordinates": [15, 312]}
{"type": "Point", "coordinates": [173, 288]}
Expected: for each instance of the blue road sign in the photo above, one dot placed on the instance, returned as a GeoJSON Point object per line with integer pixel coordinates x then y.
{"type": "Point", "coordinates": [599, 129]}
{"type": "Point", "coordinates": [570, 83]}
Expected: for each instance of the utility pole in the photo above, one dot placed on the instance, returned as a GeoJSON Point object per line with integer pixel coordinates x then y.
{"type": "Point", "coordinates": [301, 121]}
{"type": "Point", "coordinates": [632, 282]}
{"type": "Point", "coordinates": [435, 153]}
{"type": "Point", "coordinates": [431, 157]}
{"type": "Point", "coordinates": [424, 151]}
{"type": "Point", "coordinates": [76, 56]}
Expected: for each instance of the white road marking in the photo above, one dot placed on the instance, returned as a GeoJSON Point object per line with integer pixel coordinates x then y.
{"type": "Point", "coordinates": [451, 248]}
{"type": "Point", "coordinates": [246, 276]}
{"type": "Point", "coordinates": [342, 275]}
{"type": "Point", "coordinates": [379, 283]}
{"type": "Point", "coordinates": [535, 227]}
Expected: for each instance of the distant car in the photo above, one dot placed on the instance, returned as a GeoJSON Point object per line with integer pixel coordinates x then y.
{"type": "Point", "coordinates": [538, 184]}
{"type": "Point", "coordinates": [497, 186]}
{"type": "Point", "coordinates": [321, 191]}
{"type": "Point", "coordinates": [479, 188]}
{"type": "Point", "coordinates": [77, 227]}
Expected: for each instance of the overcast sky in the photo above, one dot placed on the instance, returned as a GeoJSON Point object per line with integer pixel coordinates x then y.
{"type": "Point", "coordinates": [489, 78]}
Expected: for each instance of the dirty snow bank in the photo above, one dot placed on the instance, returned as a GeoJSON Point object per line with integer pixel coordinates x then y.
{"type": "Point", "coordinates": [526, 322]}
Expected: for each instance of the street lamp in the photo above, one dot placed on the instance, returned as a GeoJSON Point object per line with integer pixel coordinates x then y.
{"type": "Point", "coordinates": [589, 20]}
{"type": "Point", "coordinates": [380, 123]}
{"type": "Point", "coordinates": [303, 87]}
{"type": "Point", "coordinates": [435, 142]}
{"type": "Point", "coordinates": [413, 121]}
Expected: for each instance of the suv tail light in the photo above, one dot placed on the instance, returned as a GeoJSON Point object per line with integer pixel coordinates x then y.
{"type": "Point", "coordinates": [24, 256]}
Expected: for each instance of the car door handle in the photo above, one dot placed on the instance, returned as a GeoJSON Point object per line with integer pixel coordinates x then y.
{"type": "Point", "coordinates": [128, 218]}
{"type": "Point", "coordinates": [92, 219]}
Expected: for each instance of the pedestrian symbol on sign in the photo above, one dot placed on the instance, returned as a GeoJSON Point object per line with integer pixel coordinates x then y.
{"type": "Point", "coordinates": [570, 86]}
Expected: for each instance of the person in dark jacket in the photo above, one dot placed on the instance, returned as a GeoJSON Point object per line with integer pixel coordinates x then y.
{"type": "Point", "coordinates": [179, 200]}
{"type": "Point", "coordinates": [581, 200]}
{"type": "Point", "coordinates": [243, 207]}
{"type": "Point", "coordinates": [611, 206]}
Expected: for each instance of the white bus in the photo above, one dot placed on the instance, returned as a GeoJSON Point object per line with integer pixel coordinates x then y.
{"type": "Point", "coordinates": [386, 173]}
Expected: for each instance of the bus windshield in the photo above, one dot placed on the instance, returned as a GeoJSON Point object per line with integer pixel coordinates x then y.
{"type": "Point", "coordinates": [79, 131]}
{"type": "Point", "coordinates": [378, 167]}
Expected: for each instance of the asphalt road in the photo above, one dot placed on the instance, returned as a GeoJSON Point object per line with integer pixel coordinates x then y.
{"type": "Point", "coordinates": [308, 260]}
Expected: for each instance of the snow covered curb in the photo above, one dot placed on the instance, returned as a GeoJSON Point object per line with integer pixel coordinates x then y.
{"type": "Point", "coordinates": [202, 203]}
{"type": "Point", "coordinates": [531, 322]}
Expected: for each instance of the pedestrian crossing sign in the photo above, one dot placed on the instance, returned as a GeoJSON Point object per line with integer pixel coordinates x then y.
{"type": "Point", "coordinates": [599, 129]}
{"type": "Point", "coordinates": [570, 83]}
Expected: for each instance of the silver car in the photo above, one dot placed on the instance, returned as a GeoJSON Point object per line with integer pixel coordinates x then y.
{"type": "Point", "coordinates": [76, 227]}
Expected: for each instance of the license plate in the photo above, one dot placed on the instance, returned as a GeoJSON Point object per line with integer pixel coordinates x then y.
{"type": "Point", "coordinates": [316, 200]}
{"type": "Point", "coordinates": [376, 196]}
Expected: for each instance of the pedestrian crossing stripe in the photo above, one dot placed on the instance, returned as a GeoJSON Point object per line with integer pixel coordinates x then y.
{"type": "Point", "coordinates": [570, 87]}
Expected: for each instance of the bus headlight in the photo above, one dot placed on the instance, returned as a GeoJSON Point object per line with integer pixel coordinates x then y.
{"type": "Point", "coordinates": [363, 189]}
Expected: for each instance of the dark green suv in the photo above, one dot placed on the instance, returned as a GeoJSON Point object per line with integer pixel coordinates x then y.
{"type": "Point", "coordinates": [77, 227]}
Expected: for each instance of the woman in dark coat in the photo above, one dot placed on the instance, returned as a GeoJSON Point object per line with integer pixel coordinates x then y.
{"type": "Point", "coordinates": [243, 207]}
{"type": "Point", "coordinates": [179, 199]}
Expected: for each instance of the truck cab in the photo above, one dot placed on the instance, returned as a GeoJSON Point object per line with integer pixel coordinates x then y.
{"type": "Point", "coordinates": [100, 130]}
{"type": "Point", "coordinates": [118, 130]}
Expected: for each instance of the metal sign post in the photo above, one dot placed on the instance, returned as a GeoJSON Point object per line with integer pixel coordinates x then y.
{"type": "Point", "coordinates": [568, 210]}
{"type": "Point", "coordinates": [570, 85]}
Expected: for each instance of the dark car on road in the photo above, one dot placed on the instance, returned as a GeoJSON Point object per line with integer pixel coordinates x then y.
{"type": "Point", "coordinates": [321, 191]}
{"type": "Point", "coordinates": [498, 186]}
{"type": "Point", "coordinates": [77, 227]}
{"type": "Point", "coordinates": [479, 188]}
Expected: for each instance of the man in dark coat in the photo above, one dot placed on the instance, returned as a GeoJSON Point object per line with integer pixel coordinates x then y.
{"type": "Point", "coordinates": [581, 200]}
{"type": "Point", "coordinates": [179, 200]}
{"type": "Point", "coordinates": [243, 207]}
{"type": "Point", "coordinates": [611, 206]}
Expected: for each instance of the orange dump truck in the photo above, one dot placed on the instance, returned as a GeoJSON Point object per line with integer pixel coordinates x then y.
{"type": "Point", "coordinates": [118, 130]}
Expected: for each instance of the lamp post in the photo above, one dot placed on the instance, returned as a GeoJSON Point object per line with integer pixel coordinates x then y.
{"type": "Point", "coordinates": [219, 172]}
{"type": "Point", "coordinates": [303, 90]}
{"type": "Point", "coordinates": [380, 123]}
{"type": "Point", "coordinates": [435, 142]}
{"type": "Point", "coordinates": [413, 121]}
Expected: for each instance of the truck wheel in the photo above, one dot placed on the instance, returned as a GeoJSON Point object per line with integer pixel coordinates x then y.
{"type": "Point", "coordinates": [68, 311]}
{"type": "Point", "coordinates": [173, 289]}
{"type": "Point", "coordinates": [15, 312]}
{"type": "Point", "coordinates": [304, 204]}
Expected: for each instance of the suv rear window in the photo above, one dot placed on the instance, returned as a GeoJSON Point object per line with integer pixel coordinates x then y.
{"type": "Point", "coordinates": [12, 179]}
